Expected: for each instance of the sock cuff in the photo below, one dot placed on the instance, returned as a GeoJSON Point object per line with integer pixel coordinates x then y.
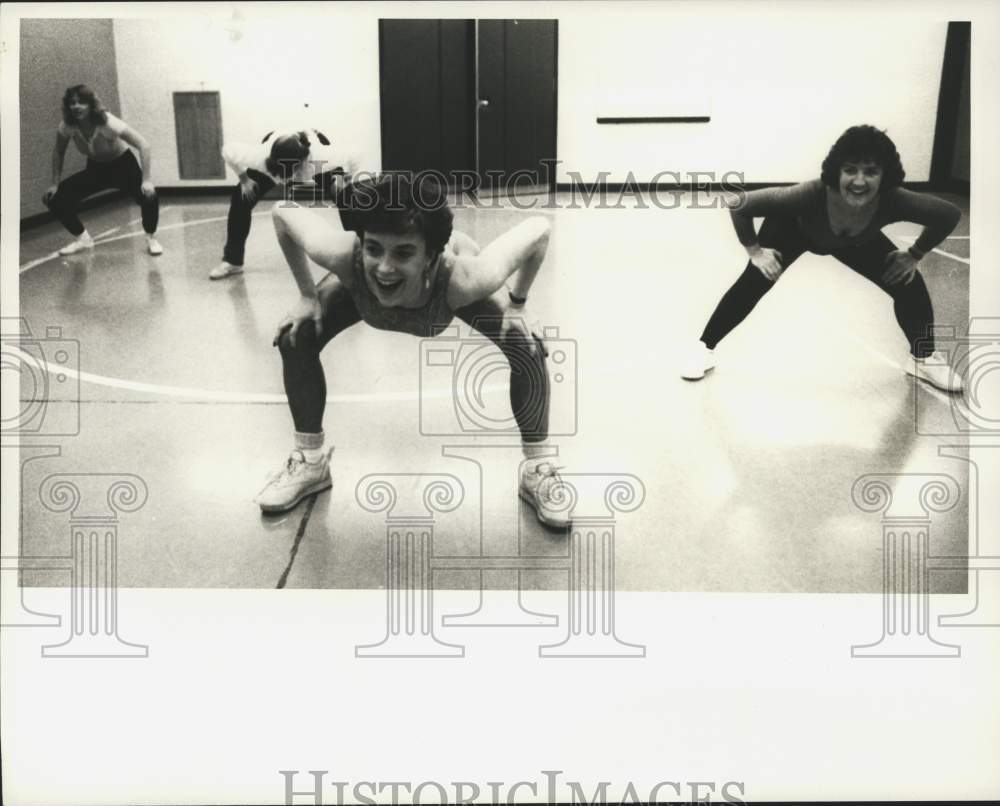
{"type": "Point", "coordinates": [308, 442]}
{"type": "Point", "coordinates": [536, 450]}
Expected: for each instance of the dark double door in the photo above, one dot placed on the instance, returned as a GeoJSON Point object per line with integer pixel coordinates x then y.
{"type": "Point", "coordinates": [469, 96]}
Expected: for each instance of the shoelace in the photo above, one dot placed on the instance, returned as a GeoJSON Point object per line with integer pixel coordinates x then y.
{"type": "Point", "coordinates": [550, 478]}
{"type": "Point", "coordinates": [294, 458]}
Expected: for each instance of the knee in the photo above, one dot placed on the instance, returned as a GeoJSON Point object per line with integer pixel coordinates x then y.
{"type": "Point", "coordinates": [304, 345]}
{"type": "Point", "coordinates": [915, 289]}
{"type": "Point", "coordinates": [522, 349]}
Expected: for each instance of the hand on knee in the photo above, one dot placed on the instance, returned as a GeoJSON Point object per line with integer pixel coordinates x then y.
{"type": "Point", "coordinates": [304, 342]}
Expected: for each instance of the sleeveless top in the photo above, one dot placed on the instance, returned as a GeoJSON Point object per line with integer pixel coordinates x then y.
{"type": "Point", "coordinates": [425, 321]}
{"type": "Point", "coordinates": [104, 145]}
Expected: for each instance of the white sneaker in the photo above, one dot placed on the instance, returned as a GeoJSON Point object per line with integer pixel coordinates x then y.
{"type": "Point", "coordinates": [153, 245]}
{"type": "Point", "coordinates": [83, 241]}
{"type": "Point", "coordinates": [297, 480]}
{"type": "Point", "coordinates": [224, 270]}
{"type": "Point", "coordinates": [935, 370]}
{"type": "Point", "coordinates": [697, 360]}
{"type": "Point", "coordinates": [545, 491]}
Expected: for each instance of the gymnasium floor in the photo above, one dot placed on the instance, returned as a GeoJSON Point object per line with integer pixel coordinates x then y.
{"type": "Point", "coordinates": [747, 474]}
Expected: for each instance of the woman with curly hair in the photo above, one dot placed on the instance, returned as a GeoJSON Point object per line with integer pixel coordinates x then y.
{"type": "Point", "coordinates": [841, 214]}
{"type": "Point", "coordinates": [104, 140]}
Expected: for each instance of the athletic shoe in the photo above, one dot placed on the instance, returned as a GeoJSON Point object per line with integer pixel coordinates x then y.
{"type": "Point", "coordinates": [83, 241]}
{"type": "Point", "coordinates": [545, 491]}
{"type": "Point", "coordinates": [153, 245]}
{"type": "Point", "coordinates": [224, 270]}
{"type": "Point", "coordinates": [297, 480]}
{"type": "Point", "coordinates": [935, 370]}
{"type": "Point", "coordinates": [697, 360]}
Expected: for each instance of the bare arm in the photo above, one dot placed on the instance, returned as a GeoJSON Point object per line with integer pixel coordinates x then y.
{"type": "Point", "coordinates": [518, 251]}
{"type": "Point", "coordinates": [133, 138]}
{"type": "Point", "coordinates": [58, 154]}
{"type": "Point", "coordinates": [304, 236]}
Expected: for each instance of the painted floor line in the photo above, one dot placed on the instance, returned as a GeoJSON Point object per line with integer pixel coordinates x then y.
{"type": "Point", "coordinates": [207, 395]}
{"type": "Point", "coordinates": [38, 261]}
{"type": "Point", "coordinates": [964, 260]}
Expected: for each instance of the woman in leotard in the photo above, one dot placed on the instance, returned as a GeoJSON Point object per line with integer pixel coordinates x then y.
{"type": "Point", "coordinates": [104, 140]}
{"type": "Point", "coordinates": [406, 270]}
{"type": "Point", "coordinates": [841, 214]}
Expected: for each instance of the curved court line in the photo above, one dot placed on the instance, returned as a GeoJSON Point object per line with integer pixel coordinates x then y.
{"type": "Point", "coordinates": [46, 258]}
{"type": "Point", "coordinates": [964, 260]}
{"type": "Point", "coordinates": [38, 261]}
{"type": "Point", "coordinates": [208, 395]}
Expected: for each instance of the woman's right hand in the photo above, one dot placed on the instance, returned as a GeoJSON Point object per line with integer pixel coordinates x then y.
{"type": "Point", "coordinates": [305, 310]}
{"type": "Point", "coordinates": [768, 261]}
{"type": "Point", "coordinates": [249, 188]}
{"type": "Point", "coordinates": [49, 193]}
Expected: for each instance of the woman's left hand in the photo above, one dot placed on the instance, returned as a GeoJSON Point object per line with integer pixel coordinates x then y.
{"type": "Point", "coordinates": [900, 267]}
{"type": "Point", "coordinates": [519, 323]}
{"type": "Point", "coordinates": [148, 189]}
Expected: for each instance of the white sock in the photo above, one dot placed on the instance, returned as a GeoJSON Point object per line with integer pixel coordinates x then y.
{"type": "Point", "coordinates": [84, 236]}
{"type": "Point", "coordinates": [536, 450]}
{"type": "Point", "coordinates": [311, 446]}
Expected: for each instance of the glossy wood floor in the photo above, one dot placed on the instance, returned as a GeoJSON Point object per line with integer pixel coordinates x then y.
{"type": "Point", "coordinates": [747, 475]}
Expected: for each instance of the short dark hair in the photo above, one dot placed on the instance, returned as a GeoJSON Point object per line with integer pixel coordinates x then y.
{"type": "Point", "coordinates": [89, 97]}
{"type": "Point", "coordinates": [861, 143]}
{"type": "Point", "coordinates": [287, 153]}
{"type": "Point", "coordinates": [398, 201]}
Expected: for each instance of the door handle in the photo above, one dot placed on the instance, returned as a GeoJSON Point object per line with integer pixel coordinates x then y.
{"type": "Point", "coordinates": [483, 103]}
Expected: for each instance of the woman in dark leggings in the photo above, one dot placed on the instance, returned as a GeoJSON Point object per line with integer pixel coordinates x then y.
{"type": "Point", "coordinates": [281, 157]}
{"type": "Point", "coordinates": [104, 140]}
{"type": "Point", "coordinates": [841, 214]}
{"type": "Point", "coordinates": [405, 270]}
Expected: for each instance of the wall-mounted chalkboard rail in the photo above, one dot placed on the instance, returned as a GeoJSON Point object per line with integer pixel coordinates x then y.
{"type": "Point", "coordinates": [688, 119]}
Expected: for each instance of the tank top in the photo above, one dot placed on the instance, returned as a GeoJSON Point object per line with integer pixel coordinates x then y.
{"type": "Point", "coordinates": [425, 321]}
{"type": "Point", "coordinates": [104, 145]}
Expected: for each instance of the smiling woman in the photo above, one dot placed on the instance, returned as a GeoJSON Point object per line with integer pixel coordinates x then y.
{"type": "Point", "coordinates": [841, 214]}
{"type": "Point", "coordinates": [104, 140]}
{"type": "Point", "coordinates": [403, 269]}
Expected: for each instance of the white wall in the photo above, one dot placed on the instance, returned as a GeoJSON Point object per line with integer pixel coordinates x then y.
{"type": "Point", "coordinates": [56, 54]}
{"type": "Point", "coordinates": [779, 89]}
{"type": "Point", "coordinates": [266, 65]}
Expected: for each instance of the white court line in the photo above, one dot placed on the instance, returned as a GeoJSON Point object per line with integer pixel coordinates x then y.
{"type": "Point", "coordinates": [939, 394]}
{"type": "Point", "coordinates": [964, 260]}
{"type": "Point", "coordinates": [38, 261]}
{"type": "Point", "coordinates": [209, 396]}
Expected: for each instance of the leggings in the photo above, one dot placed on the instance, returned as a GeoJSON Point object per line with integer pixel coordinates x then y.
{"type": "Point", "coordinates": [305, 383]}
{"type": "Point", "coordinates": [911, 302]}
{"type": "Point", "coordinates": [241, 210]}
{"type": "Point", "coordinates": [122, 172]}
